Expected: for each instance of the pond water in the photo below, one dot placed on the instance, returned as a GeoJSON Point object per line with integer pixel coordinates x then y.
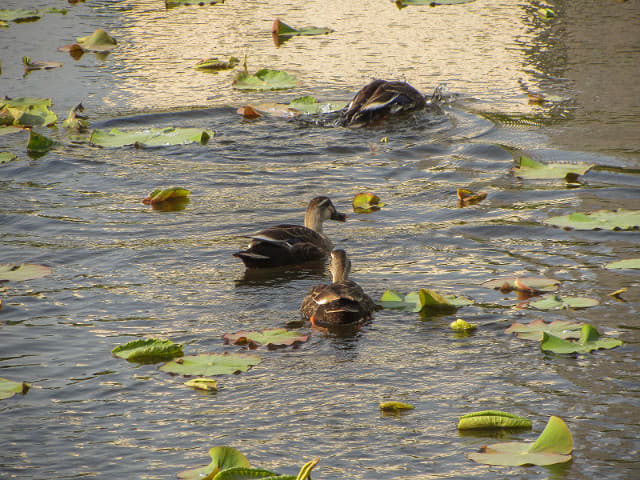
{"type": "Point", "coordinates": [122, 270]}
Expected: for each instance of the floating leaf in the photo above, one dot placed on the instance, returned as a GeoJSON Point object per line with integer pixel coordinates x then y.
{"type": "Point", "coordinates": [589, 340]}
{"type": "Point", "coordinates": [207, 364]}
{"type": "Point", "coordinates": [282, 29]}
{"type": "Point", "coordinates": [216, 64]}
{"type": "Point", "coordinates": [391, 406]}
{"type": "Point", "coordinates": [366, 203]}
{"type": "Point", "coordinates": [206, 384]}
{"type": "Point", "coordinates": [75, 121]}
{"type": "Point", "coordinates": [629, 263]}
{"type": "Point", "coordinates": [556, 302]}
{"type": "Point", "coordinates": [183, 3]}
{"type": "Point", "coordinates": [148, 350]}
{"type": "Point", "coordinates": [461, 325]}
{"type": "Point", "coordinates": [8, 388]}
{"type": "Point", "coordinates": [601, 220]}
{"type": "Point", "coordinates": [98, 41]}
{"type": "Point", "coordinates": [526, 284]}
{"type": "Point", "coordinates": [618, 294]}
{"type": "Point", "coordinates": [242, 473]}
{"type": "Point", "coordinates": [546, 13]}
{"type": "Point", "coordinates": [27, 14]}
{"type": "Point", "coordinates": [26, 271]}
{"type": "Point", "coordinates": [423, 299]}
{"type": "Point", "coordinates": [492, 419]}
{"type": "Point", "coordinates": [27, 111]}
{"type": "Point", "coordinates": [158, 196]}
{"type": "Point", "coordinates": [222, 458]}
{"type": "Point", "coordinates": [534, 330]}
{"type": "Point", "coordinates": [554, 445]}
{"type": "Point", "coordinates": [271, 337]}
{"type": "Point", "coordinates": [532, 169]}
{"type": "Point", "coordinates": [152, 137]}
{"type": "Point", "coordinates": [432, 3]}
{"type": "Point", "coordinates": [265, 79]}
{"type": "Point", "coordinates": [309, 105]}
{"type": "Point", "coordinates": [467, 197]}
{"type": "Point", "coordinates": [30, 65]}
{"type": "Point", "coordinates": [39, 143]}
{"type": "Point", "coordinates": [6, 157]}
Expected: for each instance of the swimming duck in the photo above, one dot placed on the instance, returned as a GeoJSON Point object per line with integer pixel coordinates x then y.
{"type": "Point", "coordinates": [343, 303]}
{"type": "Point", "coordinates": [293, 244]}
{"type": "Point", "coordinates": [380, 99]}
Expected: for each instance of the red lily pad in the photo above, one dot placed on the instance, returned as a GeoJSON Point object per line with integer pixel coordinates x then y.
{"type": "Point", "coordinates": [523, 284]}
{"type": "Point", "coordinates": [271, 337]}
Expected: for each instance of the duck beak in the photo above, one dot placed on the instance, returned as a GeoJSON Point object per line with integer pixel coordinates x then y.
{"type": "Point", "coordinates": [340, 217]}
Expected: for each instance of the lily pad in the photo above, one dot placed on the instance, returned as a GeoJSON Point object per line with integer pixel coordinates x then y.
{"type": "Point", "coordinates": [557, 302]}
{"type": "Point", "coordinates": [183, 3]}
{"type": "Point", "coordinates": [222, 458]}
{"type": "Point", "coordinates": [8, 388]}
{"type": "Point", "coordinates": [148, 350]}
{"type": "Point", "coordinates": [534, 330]}
{"type": "Point", "coordinates": [158, 196]}
{"type": "Point", "coordinates": [366, 203]}
{"type": "Point", "coordinates": [392, 406]}
{"type": "Point", "coordinates": [310, 105]}
{"type": "Point", "coordinates": [282, 29]}
{"type": "Point", "coordinates": [39, 143]}
{"type": "Point", "coordinates": [525, 284]}
{"type": "Point", "coordinates": [27, 111]}
{"type": "Point", "coordinates": [152, 137]}
{"type": "Point", "coordinates": [98, 41]}
{"type": "Point", "coordinates": [207, 364]}
{"type": "Point", "coordinates": [630, 263]}
{"type": "Point", "coordinates": [6, 157]}
{"type": "Point", "coordinates": [431, 3]}
{"type": "Point", "coordinates": [467, 197]}
{"type": "Point", "coordinates": [30, 65]}
{"type": "Point", "coordinates": [75, 121]}
{"type": "Point", "coordinates": [216, 64]}
{"type": "Point", "coordinates": [532, 169]}
{"type": "Point", "coordinates": [271, 337]}
{"type": "Point", "coordinates": [242, 473]}
{"type": "Point", "coordinates": [492, 419]}
{"type": "Point", "coordinates": [206, 384]}
{"type": "Point", "coordinates": [26, 271]}
{"type": "Point", "coordinates": [589, 340]}
{"type": "Point", "coordinates": [421, 300]}
{"type": "Point", "coordinates": [554, 445]}
{"type": "Point", "coordinates": [601, 220]}
{"type": "Point", "coordinates": [265, 79]}
{"type": "Point", "coordinates": [461, 325]}
{"type": "Point", "coordinates": [27, 14]}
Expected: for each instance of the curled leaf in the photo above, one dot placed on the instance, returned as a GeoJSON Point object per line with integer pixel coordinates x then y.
{"type": "Point", "coordinates": [367, 203]}
{"type": "Point", "coordinates": [158, 196]}
{"type": "Point", "coordinates": [461, 325]}
{"type": "Point", "coordinates": [206, 384]}
{"type": "Point", "coordinates": [391, 406]}
{"type": "Point", "coordinates": [222, 458]}
{"type": "Point", "coordinates": [492, 419]}
{"type": "Point", "coordinates": [8, 388]}
{"type": "Point", "coordinates": [467, 197]}
{"type": "Point", "coordinates": [214, 64]}
{"type": "Point", "coordinates": [589, 340]}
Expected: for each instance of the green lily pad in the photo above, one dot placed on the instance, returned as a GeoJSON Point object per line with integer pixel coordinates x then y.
{"type": "Point", "coordinates": [492, 419]}
{"type": "Point", "coordinates": [222, 458]}
{"type": "Point", "coordinates": [26, 271]}
{"type": "Point", "coordinates": [309, 105]}
{"type": "Point", "coordinates": [148, 350]}
{"type": "Point", "coordinates": [532, 169]}
{"type": "Point", "coordinates": [39, 143]}
{"type": "Point", "coordinates": [8, 388]}
{"type": "Point", "coordinates": [27, 111]}
{"type": "Point", "coordinates": [423, 299]}
{"type": "Point", "coordinates": [265, 79]}
{"type": "Point", "coordinates": [27, 14]}
{"type": "Point", "coordinates": [183, 3]}
{"type": "Point", "coordinates": [431, 3]}
{"type": "Point", "coordinates": [534, 330]}
{"type": "Point", "coordinates": [158, 196]}
{"type": "Point", "coordinates": [557, 302]}
{"type": "Point", "coordinates": [546, 13]}
{"type": "Point", "coordinates": [8, 129]}
{"type": "Point", "coordinates": [554, 445]}
{"type": "Point", "coordinates": [207, 364]}
{"type": "Point", "coordinates": [461, 325]}
{"type": "Point", "coordinates": [75, 121]}
{"type": "Point", "coordinates": [242, 473]}
{"type": "Point", "coordinates": [216, 64]}
{"type": "Point", "coordinates": [206, 384]}
{"type": "Point", "coordinates": [392, 406]}
{"type": "Point", "coordinates": [30, 65]}
{"type": "Point", "coordinates": [282, 29]}
{"type": "Point", "coordinates": [629, 263]}
{"type": "Point", "coordinates": [6, 157]}
{"type": "Point", "coordinates": [152, 137]}
{"type": "Point", "coordinates": [367, 203]}
{"type": "Point", "coordinates": [98, 41]}
{"type": "Point", "coordinates": [271, 337]}
{"type": "Point", "coordinates": [589, 340]}
{"type": "Point", "coordinates": [601, 220]}
{"type": "Point", "coordinates": [524, 284]}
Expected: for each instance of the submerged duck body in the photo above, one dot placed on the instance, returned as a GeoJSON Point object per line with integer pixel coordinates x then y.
{"type": "Point", "coordinates": [379, 100]}
{"type": "Point", "coordinates": [287, 244]}
{"type": "Point", "coordinates": [343, 303]}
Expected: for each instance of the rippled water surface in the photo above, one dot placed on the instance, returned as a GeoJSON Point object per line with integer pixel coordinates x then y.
{"type": "Point", "coordinates": [122, 270]}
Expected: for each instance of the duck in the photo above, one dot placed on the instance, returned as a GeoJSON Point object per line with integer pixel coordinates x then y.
{"type": "Point", "coordinates": [343, 303]}
{"type": "Point", "coordinates": [286, 244]}
{"type": "Point", "coordinates": [379, 100]}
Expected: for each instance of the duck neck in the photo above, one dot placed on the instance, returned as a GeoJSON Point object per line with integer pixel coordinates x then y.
{"type": "Point", "coordinates": [313, 221]}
